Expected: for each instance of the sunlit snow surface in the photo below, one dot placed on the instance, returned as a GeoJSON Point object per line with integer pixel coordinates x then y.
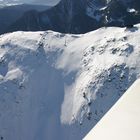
{"type": "Point", "coordinates": [122, 122]}
{"type": "Point", "coordinates": [56, 86]}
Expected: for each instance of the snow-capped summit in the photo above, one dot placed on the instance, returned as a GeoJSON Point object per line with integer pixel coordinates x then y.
{"type": "Point", "coordinates": [58, 86]}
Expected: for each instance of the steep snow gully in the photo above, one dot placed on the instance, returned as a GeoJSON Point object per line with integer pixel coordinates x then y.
{"type": "Point", "coordinates": [58, 86]}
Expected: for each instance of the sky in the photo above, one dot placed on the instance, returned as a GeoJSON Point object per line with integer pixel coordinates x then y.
{"type": "Point", "coordinates": [47, 2]}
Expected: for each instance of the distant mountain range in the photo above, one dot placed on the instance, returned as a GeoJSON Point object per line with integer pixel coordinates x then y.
{"type": "Point", "coordinates": [79, 16]}
{"type": "Point", "coordinates": [10, 14]}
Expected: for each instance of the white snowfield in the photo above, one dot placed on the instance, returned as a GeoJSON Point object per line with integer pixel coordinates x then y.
{"type": "Point", "coordinates": [122, 122]}
{"type": "Point", "coordinates": [57, 87]}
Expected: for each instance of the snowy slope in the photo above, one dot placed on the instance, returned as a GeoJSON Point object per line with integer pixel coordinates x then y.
{"type": "Point", "coordinates": [122, 122]}
{"type": "Point", "coordinates": [57, 86]}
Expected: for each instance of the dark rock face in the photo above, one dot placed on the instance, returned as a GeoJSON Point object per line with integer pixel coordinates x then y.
{"type": "Point", "coordinates": [80, 16]}
{"type": "Point", "coordinates": [69, 16]}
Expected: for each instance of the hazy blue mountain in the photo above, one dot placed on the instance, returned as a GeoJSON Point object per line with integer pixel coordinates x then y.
{"type": "Point", "coordinates": [10, 14]}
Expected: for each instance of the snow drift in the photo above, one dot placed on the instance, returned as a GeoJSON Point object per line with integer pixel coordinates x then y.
{"type": "Point", "coordinates": [58, 86]}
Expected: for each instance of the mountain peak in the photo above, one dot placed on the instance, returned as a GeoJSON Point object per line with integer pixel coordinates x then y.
{"type": "Point", "coordinates": [81, 16]}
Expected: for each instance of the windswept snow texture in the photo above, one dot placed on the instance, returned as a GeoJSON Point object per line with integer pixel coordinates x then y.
{"type": "Point", "coordinates": [57, 87]}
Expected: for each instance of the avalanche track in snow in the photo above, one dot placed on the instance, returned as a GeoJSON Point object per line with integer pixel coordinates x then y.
{"type": "Point", "coordinates": [58, 86]}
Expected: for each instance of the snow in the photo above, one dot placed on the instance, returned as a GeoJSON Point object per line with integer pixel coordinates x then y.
{"type": "Point", "coordinates": [132, 10]}
{"type": "Point", "coordinates": [58, 86]}
{"type": "Point", "coordinates": [123, 119]}
{"type": "Point", "coordinates": [13, 74]}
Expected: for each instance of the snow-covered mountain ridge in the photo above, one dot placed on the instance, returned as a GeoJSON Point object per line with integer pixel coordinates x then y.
{"type": "Point", "coordinates": [58, 86]}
